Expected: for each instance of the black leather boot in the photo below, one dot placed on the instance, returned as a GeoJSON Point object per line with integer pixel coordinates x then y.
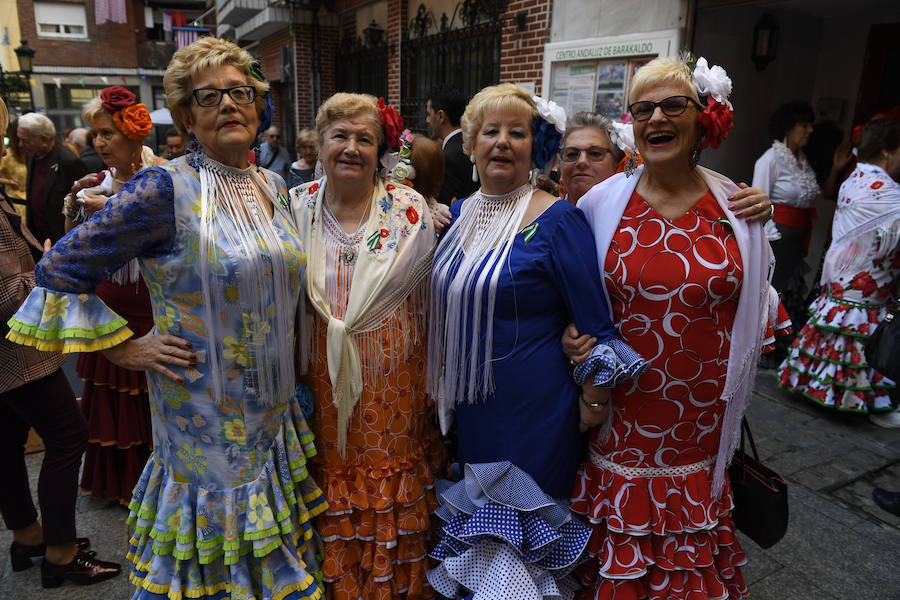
{"type": "Point", "coordinates": [84, 569]}
{"type": "Point", "coordinates": [20, 555]}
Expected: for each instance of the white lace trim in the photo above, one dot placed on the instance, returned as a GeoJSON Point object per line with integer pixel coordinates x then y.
{"type": "Point", "coordinates": [648, 472]}
{"type": "Point", "coordinates": [801, 173]}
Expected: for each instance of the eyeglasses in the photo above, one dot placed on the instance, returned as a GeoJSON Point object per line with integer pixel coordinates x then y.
{"type": "Point", "coordinates": [595, 154]}
{"type": "Point", "coordinates": [209, 97]}
{"type": "Point", "coordinates": [671, 107]}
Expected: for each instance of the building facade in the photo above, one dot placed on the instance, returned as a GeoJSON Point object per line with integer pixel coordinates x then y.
{"type": "Point", "coordinates": [75, 56]}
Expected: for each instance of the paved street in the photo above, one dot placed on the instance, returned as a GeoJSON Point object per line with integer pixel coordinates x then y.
{"type": "Point", "coordinates": [839, 544]}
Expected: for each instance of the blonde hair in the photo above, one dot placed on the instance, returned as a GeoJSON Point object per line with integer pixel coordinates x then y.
{"type": "Point", "coordinates": [92, 110]}
{"type": "Point", "coordinates": [4, 115]}
{"type": "Point", "coordinates": [664, 70]}
{"type": "Point", "coordinates": [307, 136]}
{"type": "Point", "coordinates": [188, 62]}
{"type": "Point", "coordinates": [346, 106]}
{"type": "Point", "coordinates": [501, 97]}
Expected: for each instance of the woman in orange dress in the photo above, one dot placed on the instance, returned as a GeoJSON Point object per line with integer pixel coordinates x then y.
{"type": "Point", "coordinates": [369, 246]}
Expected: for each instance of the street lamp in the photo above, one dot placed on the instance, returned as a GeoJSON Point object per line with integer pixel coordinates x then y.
{"type": "Point", "coordinates": [25, 54]}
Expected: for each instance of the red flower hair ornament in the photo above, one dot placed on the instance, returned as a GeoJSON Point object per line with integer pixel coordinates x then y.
{"type": "Point", "coordinates": [392, 123]}
{"type": "Point", "coordinates": [128, 115]}
{"type": "Point", "coordinates": [717, 119]}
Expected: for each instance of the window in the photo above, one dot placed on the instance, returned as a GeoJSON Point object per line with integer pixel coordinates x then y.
{"type": "Point", "coordinates": [58, 20]}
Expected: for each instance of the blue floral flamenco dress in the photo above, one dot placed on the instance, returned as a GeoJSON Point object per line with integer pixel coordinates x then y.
{"type": "Point", "coordinates": [223, 507]}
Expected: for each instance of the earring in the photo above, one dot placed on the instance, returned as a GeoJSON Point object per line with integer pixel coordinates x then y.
{"type": "Point", "coordinates": [630, 164]}
{"type": "Point", "coordinates": [195, 151]}
{"type": "Point", "coordinates": [695, 156]}
{"type": "Point", "coordinates": [474, 171]}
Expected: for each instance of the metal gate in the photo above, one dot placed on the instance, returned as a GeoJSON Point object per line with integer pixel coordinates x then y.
{"type": "Point", "coordinates": [462, 51]}
{"type": "Point", "coordinates": [362, 67]}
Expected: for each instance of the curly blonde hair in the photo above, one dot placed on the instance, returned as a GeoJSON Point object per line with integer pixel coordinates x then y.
{"type": "Point", "coordinates": [664, 70]}
{"type": "Point", "coordinates": [501, 97]}
{"type": "Point", "coordinates": [346, 106]}
{"type": "Point", "coordinates": [188, 62]}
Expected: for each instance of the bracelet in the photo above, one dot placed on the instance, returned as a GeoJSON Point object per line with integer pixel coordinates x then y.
{"type": "Point", "coordinates": [594, 404]}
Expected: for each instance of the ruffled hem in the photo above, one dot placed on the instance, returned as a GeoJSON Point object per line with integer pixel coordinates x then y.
{"type": "Point", "coordinates": [196, 542]}
{"type": "Point", "coordinates": [93, 367]}
{"type": "Point", "coordinates": [610, 363]}
{"type": "Point", "coordinates": [661, 537]}
{"type": "Point", "coordinates": [505, 538]}
{"type": "Point", "coordinates": [377, 527]}
{"type": "Point", "coordinates": [847, 317]}
{"type": "Point", "coordinates": [828, 366]}
{"type": "Point", "coordinates": [110, 472]}
{"type": "Point", "coordinates": [642, 505]}
{"type": "Point", "coordinates": [782, 327]}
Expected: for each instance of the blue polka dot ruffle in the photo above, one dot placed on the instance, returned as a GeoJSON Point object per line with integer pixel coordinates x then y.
{"type": "Point", "coordinates": [505, 538]}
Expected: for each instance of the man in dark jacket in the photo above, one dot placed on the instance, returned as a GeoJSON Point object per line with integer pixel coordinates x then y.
{"type": "Point", "coordinates": [443, 112]}
{"type": "Point", "coordinates": [52, 169]}
{"type": "Point", "coordinates": [83, 141]}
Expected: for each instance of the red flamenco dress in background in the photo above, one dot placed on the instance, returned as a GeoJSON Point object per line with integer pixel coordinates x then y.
{"type": "Point", "coordinates": [115, 402]}
{"type": "Point", "coordinates": [646, 484]}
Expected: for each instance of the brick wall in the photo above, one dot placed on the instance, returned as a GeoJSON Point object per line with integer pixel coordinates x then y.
{"type": "Point", "coordinates": [270, 61]}
{"type": "Point", "coordinates": [397, 18]}
{"type": "Point", "coordinates": [522, 51]}
{"type": "Point", "coordinates": [108, 45]}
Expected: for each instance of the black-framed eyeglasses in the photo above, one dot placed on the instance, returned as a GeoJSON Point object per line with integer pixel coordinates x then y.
{"type": "Point", "coordinates": [595, 154]}
{"type": "Point", "coordinates": [209, 97]}
{"type": "Point", "coordinates": [671, 107]}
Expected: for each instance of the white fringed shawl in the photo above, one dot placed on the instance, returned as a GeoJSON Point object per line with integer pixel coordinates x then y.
{"type": "Point", "coordinates": [604, 206]}
{"type": "Point", "coordinates": [863, 214]}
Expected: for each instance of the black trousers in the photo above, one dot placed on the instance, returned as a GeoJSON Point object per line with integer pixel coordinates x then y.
{"type": "Point", "coordinates": [49, 406]}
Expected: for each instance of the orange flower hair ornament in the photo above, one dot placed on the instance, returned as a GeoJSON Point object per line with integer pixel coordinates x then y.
{"type": "Point", "coordinates": [133, 121]}
{"type": "Point", "coordinates": [129, 116]}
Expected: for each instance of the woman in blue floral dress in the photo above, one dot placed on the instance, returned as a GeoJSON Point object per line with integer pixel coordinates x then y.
{"type": "Point", "coordinates": [223, 506]}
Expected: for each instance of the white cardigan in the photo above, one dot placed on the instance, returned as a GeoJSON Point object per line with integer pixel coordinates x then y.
{"type": "Point", "coordinates": [604, 205]}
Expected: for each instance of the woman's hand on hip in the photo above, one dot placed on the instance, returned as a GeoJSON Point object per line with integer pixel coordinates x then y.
{"type": "Point", "coordinates": [593, 406]}
{"type": "Point", "coordinates": [750, 204]}
{"type": "Point", "coordinates": [153, 352]}
{"type": "Point", "coordinates": [577, 347]}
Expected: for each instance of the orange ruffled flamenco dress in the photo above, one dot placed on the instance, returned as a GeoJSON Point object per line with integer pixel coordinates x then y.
{"type": "Point", "coordinates": [379, 492]}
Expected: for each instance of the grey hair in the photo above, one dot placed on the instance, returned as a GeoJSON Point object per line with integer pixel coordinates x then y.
{"type": "Point", "coordinates": [585, 120]}
{"type": "Point", "coordinates": [38, 124]}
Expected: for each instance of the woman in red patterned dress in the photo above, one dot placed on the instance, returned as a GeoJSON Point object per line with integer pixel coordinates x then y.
{"type": "Point", "coordinates": [689, 290]}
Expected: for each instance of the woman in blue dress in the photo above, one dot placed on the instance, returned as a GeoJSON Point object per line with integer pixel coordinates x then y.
{"type": "Point", "coordinates": [511, 272]}
{"type": "Point", "coordinates": [224, 504]}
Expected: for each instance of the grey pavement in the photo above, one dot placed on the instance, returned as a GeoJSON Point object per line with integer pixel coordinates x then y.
{"type": "Point", "coordinates": [839, 545]}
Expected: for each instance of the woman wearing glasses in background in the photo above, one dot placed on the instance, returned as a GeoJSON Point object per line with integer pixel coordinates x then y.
{"type": "Point", "coordinates": [687, 282]}
{"type": "Point", "coordinates": [224, 503]}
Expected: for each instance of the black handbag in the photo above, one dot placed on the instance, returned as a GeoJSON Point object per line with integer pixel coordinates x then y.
{"type": "Point", "coordinates": [883, 346]}
{"type": "Point", "coordinates": [760, 495]}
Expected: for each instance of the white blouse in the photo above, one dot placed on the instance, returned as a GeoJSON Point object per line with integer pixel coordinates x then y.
{"type": "Point", "coordinates": [786, 179]}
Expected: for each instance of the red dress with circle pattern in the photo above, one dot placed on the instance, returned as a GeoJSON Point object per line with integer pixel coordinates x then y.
{"type": "Point", "coordinates": [646, 483]}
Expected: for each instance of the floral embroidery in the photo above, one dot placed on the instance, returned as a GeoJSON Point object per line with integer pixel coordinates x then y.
{"type": "Point", "coordinates": [259, 510]}
{"type": "Point", "coordinates": [55, 310]}
{"type": "Point", "coordinates": [193, 458]}
{"type": "Point", "coordinates": [412, 215]}
{"type": "Point", "coordinates": [235, 431]}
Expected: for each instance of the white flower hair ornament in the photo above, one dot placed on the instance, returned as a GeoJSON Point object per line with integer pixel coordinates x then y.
{"type": "Point", "coordinates": [403, 171]}
{"type": "Point", "coordinates": [713, 82]}
{"type": "Point", "coordinates": [548, 129]}
{"type": "Point", "coordinates": [717, 118]}
{"type": "Point", "coordinates": [622, 135]}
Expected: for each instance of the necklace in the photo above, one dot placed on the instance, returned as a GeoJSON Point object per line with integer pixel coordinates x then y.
{"type": "Point", "coordinates": [348, 243]}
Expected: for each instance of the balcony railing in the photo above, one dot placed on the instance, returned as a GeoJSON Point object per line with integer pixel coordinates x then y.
{"type": "Point", "coordinates": [236, 12]}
